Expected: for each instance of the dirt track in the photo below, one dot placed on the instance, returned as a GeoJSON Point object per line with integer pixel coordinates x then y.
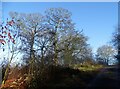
{"type": "Point", "coordinates": [108, 78]}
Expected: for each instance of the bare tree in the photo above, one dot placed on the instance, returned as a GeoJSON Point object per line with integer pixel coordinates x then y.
{"type": "Point", "coordinates": [105, 53]}
{"type": "Point", "coordinates": [58, 20]}
{"type": "Point", "coordinates": [29, 27]}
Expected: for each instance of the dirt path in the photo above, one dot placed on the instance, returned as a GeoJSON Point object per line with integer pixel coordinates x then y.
{"type": "Point", "coordinates": [108, 78]}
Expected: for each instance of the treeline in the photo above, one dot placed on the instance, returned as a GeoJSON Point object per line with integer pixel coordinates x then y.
{"type": "Point", "coordinates": [49, 39]}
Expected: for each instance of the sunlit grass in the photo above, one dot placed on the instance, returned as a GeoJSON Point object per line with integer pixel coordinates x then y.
{"type": "Point", "coordinates": [87, 67]}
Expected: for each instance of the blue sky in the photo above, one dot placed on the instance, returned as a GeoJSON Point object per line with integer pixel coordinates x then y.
{"type": "Point", "coordinates": [97, 19]}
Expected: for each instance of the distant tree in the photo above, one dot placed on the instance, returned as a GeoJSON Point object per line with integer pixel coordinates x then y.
{"type": "Point", "coordinates": [104, 54]}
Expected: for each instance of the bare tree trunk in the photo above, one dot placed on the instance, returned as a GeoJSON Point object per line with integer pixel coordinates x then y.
{"type": "Point", "coordinates": [42, 57]}
{"type": "Point", "coordinates": [32, 58]}
{"type": "Point", "coordinates": [55, 44]}
{"type": "Point", "coordinates": [7, 71]}
{"type": "Point", "coordinates": [55, 50]}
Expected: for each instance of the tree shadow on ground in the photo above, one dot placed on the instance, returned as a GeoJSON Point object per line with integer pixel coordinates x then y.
{"type": "Point", "coordinates": [55, 77]}
{"type": "Point", "coordinates": [65, 77]}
